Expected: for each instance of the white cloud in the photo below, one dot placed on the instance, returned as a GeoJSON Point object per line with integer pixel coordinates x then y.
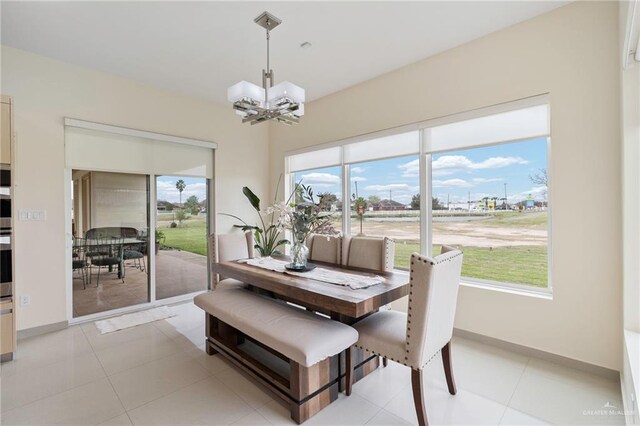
{"type": "Point", "coordinates": [461, 183]}
{"type": "Point", "coordinates": [452, 183]}
{"type": "Point", "coordinates": [320, 178]}
{"type": "Point", "coordinates": [394, 187]}
{"type": "Point", "coordinates": [358, 179]}
{"type": "Point", "coordinates": [410, 169]}
{"type": "Point", "coordinates": [538, 193]}
{"type": "Point", "coordinates": [486, 180]}
{"type": "Point", "coordinates": [167, 191]}
{"type": "Point", "coordinates": [448, 164]}
{"type": "Point", "coordinates": [358, 169]}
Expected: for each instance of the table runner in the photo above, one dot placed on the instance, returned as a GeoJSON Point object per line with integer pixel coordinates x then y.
{"type": "Point", "coordinates": [352, 281]}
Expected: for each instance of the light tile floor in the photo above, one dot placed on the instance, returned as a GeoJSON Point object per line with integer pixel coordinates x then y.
{"type": "Point", "coordinates": [158, 373]}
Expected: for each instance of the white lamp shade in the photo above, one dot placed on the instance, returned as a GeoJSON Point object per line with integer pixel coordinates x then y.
{"type": "Point", "coordinates": [244, 89]}
{"type": "Point", "coordinates": [286, 89]}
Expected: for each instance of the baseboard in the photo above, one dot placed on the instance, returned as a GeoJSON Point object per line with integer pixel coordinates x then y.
{"type": "Point", "coordinates": [537, 353]}
{"type": "Point", "coordinates": [43, 329]}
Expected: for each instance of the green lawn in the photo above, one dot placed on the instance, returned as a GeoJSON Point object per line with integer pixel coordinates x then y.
{"type": "Point", "coordinates": [517, 264]}
{"type": "Point", "coordinates": [190, 236]}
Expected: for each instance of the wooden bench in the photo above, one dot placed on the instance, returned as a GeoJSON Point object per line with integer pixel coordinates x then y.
{"type": "Point", "coordinates": [292, 352]}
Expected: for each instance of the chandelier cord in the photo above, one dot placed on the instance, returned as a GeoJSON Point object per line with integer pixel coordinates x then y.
{"type": "Point", "coordinates": [268, 71]}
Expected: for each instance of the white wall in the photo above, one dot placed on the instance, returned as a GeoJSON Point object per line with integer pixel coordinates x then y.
{"type": "Point", "coordinates": [44, 92]}
{"type": "Point", "coordinates": [571, 53]}
{"type": "Point", "coordinates": [630, 101]}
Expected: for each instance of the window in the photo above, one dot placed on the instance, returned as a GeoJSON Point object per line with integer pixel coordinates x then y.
{"type": "Point", "coordinates": [326, 184]}
{"type": "Point", "coordinates": [483, 174]}
{"type": "Point", "coordinates": [385, 202]}
{"type": "Point", "coordinates": [492, 203]}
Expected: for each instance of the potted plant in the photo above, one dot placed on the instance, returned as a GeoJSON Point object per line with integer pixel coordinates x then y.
{"type": "Point", "coordinates": [160, 238]}
{"type": "Point", "coordinates": [267, 233]}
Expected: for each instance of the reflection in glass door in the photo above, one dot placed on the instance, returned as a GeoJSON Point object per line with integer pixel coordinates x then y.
{"type": "Point", "coordinates": [110, 223]}
{"type": "Point", "coordinates": [182, 227]}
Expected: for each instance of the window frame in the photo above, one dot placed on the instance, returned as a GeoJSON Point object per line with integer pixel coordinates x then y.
{"type": "Point", "coordinates": [425, 179]}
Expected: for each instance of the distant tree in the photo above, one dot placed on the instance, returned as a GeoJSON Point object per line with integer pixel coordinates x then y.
{"type": "Point", "coordinates": [326, 200]}
{"type": "Point", "coordinates": [415, 202]}
{"type": "Point", "coordinates": [192, 204]}
{"type": "Point", "coordinates": [485, 200]}
{"type": "Point", "coordinates": [181, 215]}
{"type": "Point", "coordinates": [180, 186]}
{"type": "Point", "coordinates": [373, 199]}
{"type": "Point", "coordinates": [436, 204]}
{"type": "Point", "coordinates": [540, 178]}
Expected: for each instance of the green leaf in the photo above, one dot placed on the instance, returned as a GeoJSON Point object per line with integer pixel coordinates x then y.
{"type": "Point", "coordinates": [253, 198]}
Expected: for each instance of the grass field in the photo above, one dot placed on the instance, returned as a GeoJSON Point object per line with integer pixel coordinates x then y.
{"type": "Point", "coordinates": [518, 263]}
{"type": "Point", "coordinates": [190, 236]}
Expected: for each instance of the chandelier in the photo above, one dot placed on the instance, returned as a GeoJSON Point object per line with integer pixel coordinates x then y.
{"type": "Point", "coordinates": [283, 102]}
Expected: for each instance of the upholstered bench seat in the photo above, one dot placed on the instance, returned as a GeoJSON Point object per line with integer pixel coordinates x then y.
{"type": "Point", "coordinates": [229, 283]}
{"type": "Point", "coordinates": [300, 335]}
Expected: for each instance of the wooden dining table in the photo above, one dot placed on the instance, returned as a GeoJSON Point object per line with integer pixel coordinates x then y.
{"type": "Point", "coordinates": [341, 303]}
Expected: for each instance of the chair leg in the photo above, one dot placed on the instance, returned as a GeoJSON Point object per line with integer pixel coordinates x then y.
{"type": "Point", "coordinates": [448, 370]}
{"type": "Point", "coordinates": [418, 396]}
{"type": "Point", "coordinates": [144, 265]}
{"type": "Point", "coordinates": [385, 361]}
{"type": "Point", "coordinates": [348, 365]}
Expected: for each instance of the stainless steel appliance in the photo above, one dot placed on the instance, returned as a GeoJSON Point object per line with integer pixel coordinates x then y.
{"type": "Point", "coordinates": [6, 258]}
{"type": "Point", "coordinates": [6, 264]}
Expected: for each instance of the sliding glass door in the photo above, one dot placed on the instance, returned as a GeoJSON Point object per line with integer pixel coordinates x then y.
{"type": "Point", "coordinates": [181, 235]}
{"type": "Point", "coordinates": [139, 218]}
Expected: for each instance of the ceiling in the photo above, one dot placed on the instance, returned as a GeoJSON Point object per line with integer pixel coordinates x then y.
{"type": "Point", "coordinates": [201, 48]}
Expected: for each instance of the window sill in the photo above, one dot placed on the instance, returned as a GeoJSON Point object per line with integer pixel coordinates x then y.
{"type": "Point", "coordinates": [520, 290]}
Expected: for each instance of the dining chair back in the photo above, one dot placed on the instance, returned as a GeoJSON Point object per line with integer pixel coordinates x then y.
{"type": "Point", "coordinates": [111, 254]}
{"type": "Point", "coordinates": [227, 247]}
{"type": "Point", "coordinates": [374, 253]}
{"type": "Point", "coordinates": [433, 295]}
{"type": "Point", "coordinates": [79, 260]}
{"type": "Point", "coordinates": [325, 248]}
{"type": "Point", "coordinates": [415, 338]}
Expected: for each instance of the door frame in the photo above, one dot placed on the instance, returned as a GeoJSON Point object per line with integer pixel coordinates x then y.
{"type": "Point", "coordinates": [211, 220]}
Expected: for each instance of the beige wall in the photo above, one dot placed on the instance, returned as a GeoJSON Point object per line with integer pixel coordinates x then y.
{"type": "Point", "coordinates": [45, 91]}
{"type": "Point", "coordinates": [571, 53]}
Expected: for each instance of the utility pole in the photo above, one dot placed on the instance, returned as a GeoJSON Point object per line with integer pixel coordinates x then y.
{"type": "Point", "coordinates": [506, 202]}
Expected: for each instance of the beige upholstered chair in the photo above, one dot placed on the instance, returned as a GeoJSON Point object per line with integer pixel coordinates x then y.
{"type": "Point", "coordinates": [373, 253]}
{"type": "Point", "coordinates": [227, 247]}
{"type": "Point", "coordinates": [415, 338]}
{"type": "Point", "coordinates": [325, 248]}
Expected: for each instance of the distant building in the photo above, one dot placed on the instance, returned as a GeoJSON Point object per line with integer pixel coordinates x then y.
{"type": "Point", "coordinates": [387, 205]}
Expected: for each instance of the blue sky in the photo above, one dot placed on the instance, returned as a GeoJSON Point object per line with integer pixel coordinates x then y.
{"type": "Point", "coordinates": [479, 172]}
{"type": "Point", "coordinates": [166, 188]}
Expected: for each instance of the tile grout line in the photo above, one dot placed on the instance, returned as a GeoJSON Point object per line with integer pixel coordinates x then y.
{"type": "Point", "coordinates": [61, 392]}
{"type": "Point", "coordinates": [508, 404]}
{"type": "Point", "coordinates": [107, 377]}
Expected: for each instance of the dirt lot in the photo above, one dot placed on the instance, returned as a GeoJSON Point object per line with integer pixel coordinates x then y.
{"type": "Point", "coordinates": [504, 230]}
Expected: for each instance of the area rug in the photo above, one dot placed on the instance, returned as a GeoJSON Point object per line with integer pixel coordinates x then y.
{"type": "Point", "coordinates": [134, 319]}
